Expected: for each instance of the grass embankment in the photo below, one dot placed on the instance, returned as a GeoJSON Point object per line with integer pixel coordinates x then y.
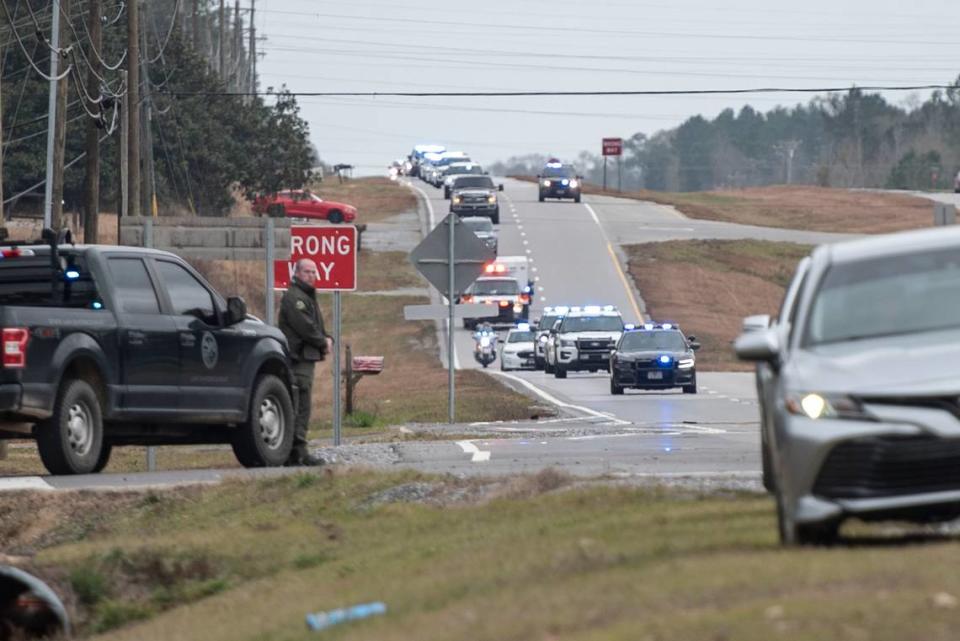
{"type": "Point", "coordinates": [375, 198]}
{"type": "Point", "coordinates": [709, 286]}
{"type": "Point", "coordinates": [803, 207]}
{"type": "Point", "coordinates": [470, 559]}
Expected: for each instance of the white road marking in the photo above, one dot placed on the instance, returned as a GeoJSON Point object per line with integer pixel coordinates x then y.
{"type": "Point", "coordinates": [529, 252]}
{"type": "Point", "coordinates": [543, 299]}
{"type": "Point", "coordinates": [592, 213]}
{"type": "Point", "coordinates": [556, 401]}
{"type": "Point", "coordinates": [540, 289]}
{"type": "Point", "coordinates": [24, 483]}
{"type": "Point", "coordinates": [426, 199]}
{"type": "Point", "coordinates": [526, 242]}
{"type": "Point", "coordinates": [477, 455]}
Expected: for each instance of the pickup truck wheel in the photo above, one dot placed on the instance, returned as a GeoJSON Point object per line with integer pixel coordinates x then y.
{"type": "Point", "coordinates": [335, 217]}
{"type": "Point", "coordinates": [71, 441]}
{"type": "Point", "coordinates": [104, 459]}
{"type": "Point", "coordinates": [559, 371]}
{"type": "Point", "coordinates": [266, 438]}
{"type": "Point", "coordinates": [495, 219]}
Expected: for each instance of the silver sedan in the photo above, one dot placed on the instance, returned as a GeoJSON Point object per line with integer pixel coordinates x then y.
{"type": "Point", "coordinates": [859, 385]}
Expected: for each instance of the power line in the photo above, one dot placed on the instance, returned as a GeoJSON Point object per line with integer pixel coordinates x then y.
{"type": "Point", "coordinates": [634, 33]}
{"type": "Point", "coordinates": [23, 48]}
{"type": "Point", "coordinates": [514, 94]}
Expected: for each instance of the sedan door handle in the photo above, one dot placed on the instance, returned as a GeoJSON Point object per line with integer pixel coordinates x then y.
{"type": "Point", "coordinates": [188, 340]}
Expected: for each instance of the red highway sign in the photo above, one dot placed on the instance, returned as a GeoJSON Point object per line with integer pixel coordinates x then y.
{"type": "Point", "coordinates": [613, 146]}
{"type": "Point", "coordinates": [332, 247]}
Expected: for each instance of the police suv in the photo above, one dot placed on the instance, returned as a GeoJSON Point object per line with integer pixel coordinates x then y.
{"type": "Point", "coordinates": [583, 340]}
{"type": "Point", "coordinates": [654, 356]}
{"type": "Point", "coordinates": [558, 180]}
{"type": "Point", "coordinates": [550, 316]}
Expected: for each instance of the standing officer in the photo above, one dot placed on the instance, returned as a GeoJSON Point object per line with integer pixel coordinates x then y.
{"type": "Point", "coordinates": [302, 324]}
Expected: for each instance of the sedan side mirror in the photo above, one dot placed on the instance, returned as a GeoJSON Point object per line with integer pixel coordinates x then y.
{"type": "Point", "coordinates": [499, 187]}
{"type": "Point", "coordinates": [236, 310]}
{"type": "Point", "coordinates": [694, 345]}
{"type": "Point", "coordinates": [756, 323]}
{"type": "Point", "coordinates": [759, 347]}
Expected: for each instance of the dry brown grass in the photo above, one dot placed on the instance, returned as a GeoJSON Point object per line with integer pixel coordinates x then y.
{"type": "Point", "coordinates": [709, 286]}
{"type": "Point", "coordinates": [376, 199]}
{"type": "Point", "coordinates": [793, 207]}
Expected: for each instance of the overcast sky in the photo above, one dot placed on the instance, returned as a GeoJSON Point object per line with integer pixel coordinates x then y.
{"type": "Point", "coordinates": [437, 45]}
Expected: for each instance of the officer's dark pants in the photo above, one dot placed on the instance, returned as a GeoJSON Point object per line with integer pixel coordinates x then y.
{"type": "Point", "coordinates": [303, 375]}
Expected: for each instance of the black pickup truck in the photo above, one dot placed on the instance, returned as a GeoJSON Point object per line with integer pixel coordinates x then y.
{"type": "Point", "coordinates": [108, 345]}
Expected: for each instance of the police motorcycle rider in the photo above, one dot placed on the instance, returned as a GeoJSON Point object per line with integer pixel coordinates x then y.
{"type": "Point", "coordinates": [485, 347]}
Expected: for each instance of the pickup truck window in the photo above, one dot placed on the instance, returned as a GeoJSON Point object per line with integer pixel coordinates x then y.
{"type": "Point", "coordinates": [27, 279]}
{"type": "Point", "coordinates": [132, 287]}
{"type": "Point", "coordinates": [188, 295]}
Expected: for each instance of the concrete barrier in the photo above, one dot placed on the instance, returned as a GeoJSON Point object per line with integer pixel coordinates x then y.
{"type": "Point", "coordinates": [207, 238]}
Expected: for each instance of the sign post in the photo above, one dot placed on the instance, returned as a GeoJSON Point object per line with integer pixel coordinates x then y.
{"type": "Point", "coordinates": [334, 249]}
{"type": "Point", "coordinates": [451, 259]}
{"type": "Point", "coordinates": [612, 147]}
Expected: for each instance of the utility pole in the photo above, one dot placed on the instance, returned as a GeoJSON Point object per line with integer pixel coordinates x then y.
{"type": "Point", "coordinates": [123, 204]}
{"type": "Point", "coordinates": [252, 49]}
{"type": "Point", "coordinates": [92, 180]}
{"type": "Point", "coordinates": [60, 131]}
{"type": "Point", "coordinates": [222, 41]}
{"type": "Point", "coordinates": [237, 47]}
{"type": "Point", "coordinates": [149, 205]}
{"type": "Point", "coordinates": [195, 23]}
{"type": "Point", "coordinates": [52, 111]}
{"type": "Point", "coordinates": [787, 149]}
{"type": "Point", "coordinates": [133, 108]}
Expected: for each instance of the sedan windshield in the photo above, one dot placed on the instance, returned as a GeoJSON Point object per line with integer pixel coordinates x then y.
{"type": "Point", "coordinates": [653, 342]}
{"type": "Point", "coordinates": [591, 324]}
{"type": "Point", "coordinates": [494, 287]}
{"type": "Point", "coordinates": [887, 296]}
{"type": "Point", "coordinates": [520, 337]}
{"type": "Point", "coordinates": [473, 182]}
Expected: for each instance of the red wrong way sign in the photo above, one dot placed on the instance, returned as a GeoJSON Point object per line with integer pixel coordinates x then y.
{"type": "Point", "coordinates": [333, 248]}
{"type": "Point", "coordinates": [613, 146]}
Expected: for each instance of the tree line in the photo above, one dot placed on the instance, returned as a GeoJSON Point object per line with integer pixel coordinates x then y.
{"type": "Point", "coordinates": [207, 148]}
{"type": "Point", "coordinates": [851, 139]}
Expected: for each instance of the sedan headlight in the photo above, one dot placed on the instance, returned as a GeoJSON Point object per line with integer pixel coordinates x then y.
{"type": "Point", "coordinates": [816, 406]}
{"type": "Point", "coordinates": [543, 339]}
{"type": "Point", "coordinates": [546, 183]}
{"type": "Point", "coordinates": [686, 363]}
{"type": "Point", "coordinates": [574, 183]}
{"type": "Point", "coordinates": [566, 343]}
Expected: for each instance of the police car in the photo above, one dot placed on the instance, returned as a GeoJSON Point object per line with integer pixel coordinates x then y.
{"type": "Point", "coordinates": [559, 181]}
{"type": "Point", "coordinates": [551, 314]}
{"type": "Point", "coordinates": [583, 340]}
{"type": "Point", "coordinates": [654, 356]}
{"type": "Point", "coordinates": [517, 351]}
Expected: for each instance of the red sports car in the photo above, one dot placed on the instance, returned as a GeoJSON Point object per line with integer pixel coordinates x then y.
{"type": "Point", "coordinates": [302, 203]}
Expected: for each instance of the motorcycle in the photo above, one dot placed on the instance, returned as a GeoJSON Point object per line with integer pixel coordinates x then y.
{"type": "Point", "coordinates": [485, 350]}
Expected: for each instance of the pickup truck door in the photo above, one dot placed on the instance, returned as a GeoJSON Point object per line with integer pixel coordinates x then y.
{"type": "Point", "coordinates": [212, 357]}
{"type": "Point", "coordinates": [148, 343]}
